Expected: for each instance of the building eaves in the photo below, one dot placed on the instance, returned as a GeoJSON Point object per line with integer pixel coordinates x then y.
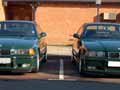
{"type": "Point", "coordinates": [104, 1]}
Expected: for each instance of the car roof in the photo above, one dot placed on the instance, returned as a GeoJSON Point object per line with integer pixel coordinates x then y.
{"type": "Point", "coordinates": [101, 23]}
{"type": "Point", "coordinates": [20, 21]}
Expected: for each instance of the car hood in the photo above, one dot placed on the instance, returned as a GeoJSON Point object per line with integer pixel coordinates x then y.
{"type": "Point", "coordinates": [102, 45]}
{"type": "Point", "coordinates": [16, 43]}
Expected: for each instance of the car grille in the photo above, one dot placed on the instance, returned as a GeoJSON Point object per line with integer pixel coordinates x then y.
{"type": "Point", "coordinates": [114, 54]}
{"type": "Point", "coordinates": [4, 52]}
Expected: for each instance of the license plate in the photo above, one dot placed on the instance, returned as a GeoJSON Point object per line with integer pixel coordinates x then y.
{"type": "Point", "coordinates": [5, 60]}
{"type": "Point", "coordinates": [113, 64]}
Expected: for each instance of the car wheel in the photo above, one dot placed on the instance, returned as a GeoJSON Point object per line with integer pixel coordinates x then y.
{"type": "Point", "coordinates": [80, 67]}
{"type": "Point", "coordinates": [73, 60]}
{"type": "Point", "coordinates": [45, 57]}
{"type": "Point", "coordinates": [36, 69]}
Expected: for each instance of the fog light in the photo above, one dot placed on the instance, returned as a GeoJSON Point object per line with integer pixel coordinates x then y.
{"type": "Point", "coordinates": [91, 67]}
{"type": "Point", "coordinates": [31, 51]}
{"type": "Point", "coordinates": [25, 65]}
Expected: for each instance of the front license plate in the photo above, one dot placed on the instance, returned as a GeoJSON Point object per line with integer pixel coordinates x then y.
{"type": "Point", "coordinates": [5, 60]}
{"type": "Point", "coordinates": [113, 64]}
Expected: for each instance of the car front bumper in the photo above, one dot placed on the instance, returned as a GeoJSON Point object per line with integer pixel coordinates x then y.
{"type": "Point", "coordinates": [17, 70]}
{"type": "Point", "coordinates": [100, 66]}
{"type": "Point", "coordinates": [21, 64]}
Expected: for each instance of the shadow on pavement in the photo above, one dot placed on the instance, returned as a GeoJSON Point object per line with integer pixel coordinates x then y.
{"type": "Point", "coordinates": [10, 73]}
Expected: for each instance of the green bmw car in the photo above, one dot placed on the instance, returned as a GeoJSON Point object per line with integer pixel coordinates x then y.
{"type": "Point", "coordinates": [97, 49]}
{"type": "Point", "coordinates": [21, 47]}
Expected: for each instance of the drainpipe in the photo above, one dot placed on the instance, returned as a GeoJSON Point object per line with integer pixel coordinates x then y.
{"type": "Point", "coordinates": [34, 7]}
{"type": "Point", "coordinates": [98, 3]}
{"type": "Point", "coordinates": [33, 12]}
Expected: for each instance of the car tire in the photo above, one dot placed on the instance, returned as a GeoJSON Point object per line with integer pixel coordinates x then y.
{"type": "Point", "coordinates": [45, 57]}
{"type": "Point", "coordinates": [36, 69]}
{"type": "Point", "coordinates": [80, 68]}
{"type": "Point", "coordinates": [73, 60]}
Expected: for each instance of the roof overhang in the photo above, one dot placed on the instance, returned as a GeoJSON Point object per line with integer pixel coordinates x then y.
{"type": "Point", "coordinates": [85, 1]}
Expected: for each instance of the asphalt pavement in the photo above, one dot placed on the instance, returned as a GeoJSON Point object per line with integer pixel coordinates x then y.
{"type": "Point", "coordinates": [55, 85]}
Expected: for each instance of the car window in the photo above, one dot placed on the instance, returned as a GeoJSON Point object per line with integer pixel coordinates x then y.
{"type": "Point", "coordinates": [17, 28]}
{"type": "Point", "coordinates": [91, 27]}
{"type": "Point", "coordinates": [111, 28]}
{"type": "Point", "coordinates": [101, 27]}
{"type": "Point", "coordinates": [102, 31]}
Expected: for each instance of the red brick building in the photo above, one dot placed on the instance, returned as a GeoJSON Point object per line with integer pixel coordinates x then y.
{"type": "Point", "coordinates": [61, 18]}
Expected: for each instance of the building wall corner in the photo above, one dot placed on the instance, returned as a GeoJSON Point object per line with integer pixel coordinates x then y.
{"type": "Point", "coordinates": [2, 11]}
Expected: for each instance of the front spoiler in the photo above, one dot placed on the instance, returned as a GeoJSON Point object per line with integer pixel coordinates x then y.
{"type": "Point", "coordinates": [17, 70]}
{"type": "Point", "coordinates": [95, 73]}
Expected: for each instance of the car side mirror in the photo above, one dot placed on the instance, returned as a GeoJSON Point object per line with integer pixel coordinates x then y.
{"type": "Point", "coordinates": [42, 34]}
{"type": "Point", "coordinates": [76, 35]}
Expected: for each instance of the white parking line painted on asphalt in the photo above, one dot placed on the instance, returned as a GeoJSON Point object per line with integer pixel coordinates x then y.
{"type": "Point", "coordinates": [61, 72]}
{"type": "Point", "coordinates": [64, 80]}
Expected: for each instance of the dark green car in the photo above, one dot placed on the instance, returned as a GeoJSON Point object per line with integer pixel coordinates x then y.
{"type": "Point", "coordinates": [21, 47]}
{"type": "Point", "coordinates": [97, 49]}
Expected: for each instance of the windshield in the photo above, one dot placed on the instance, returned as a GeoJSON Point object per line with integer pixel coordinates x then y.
{"type": "Point", "coordinates": [102, 31]}
{"type": "Point", "coordinates": [17, 29]}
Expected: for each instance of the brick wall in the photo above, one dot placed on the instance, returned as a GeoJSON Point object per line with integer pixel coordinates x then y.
{"type": "Point", "coordinates": [2, 14]}
{"type": "Point", "coordinates": [61, 20]}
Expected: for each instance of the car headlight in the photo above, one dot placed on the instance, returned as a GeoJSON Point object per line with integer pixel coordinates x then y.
{"type": "Point", "coordinates": [18, 51]}
{"type": "Point", "coordinates": [92, 53]}
{"type": "Point", "coordinates": [23, 51]}
{"type": "Point", "coordinates": [96, 54]}
{"type": "Point", "coordinates": [101, 54]}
